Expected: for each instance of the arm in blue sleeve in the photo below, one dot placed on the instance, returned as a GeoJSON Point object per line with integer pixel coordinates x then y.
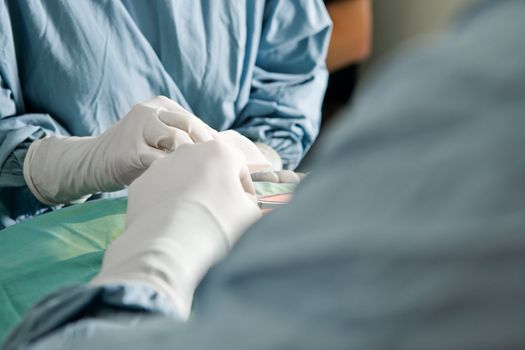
{"type": "Point", "coordinates": [119, 305]}
{"type": "Point", "coordinates": [16, 134]}
{"type": "Point", "coordinates": [289, 79]}
{"type": "Point", "coordinates": [17, 130]}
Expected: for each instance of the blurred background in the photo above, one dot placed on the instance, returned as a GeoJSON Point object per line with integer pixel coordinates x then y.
{"type": "Point", "coordinates": [396, 21]}
{"type": "Point", "coordinates": [365, 33]}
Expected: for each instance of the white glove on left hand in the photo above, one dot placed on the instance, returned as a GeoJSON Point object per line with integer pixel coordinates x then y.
{"type": "Point", "coordinates": [184, 214]}
{"type": "Point", "coordinates": [60, 170]}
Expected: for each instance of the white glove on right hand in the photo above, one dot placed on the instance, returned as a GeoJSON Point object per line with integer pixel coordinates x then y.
{"type": "Point", "coordinates": [181, 220]}
{"type": "Point", "coordinates": [61, 170]}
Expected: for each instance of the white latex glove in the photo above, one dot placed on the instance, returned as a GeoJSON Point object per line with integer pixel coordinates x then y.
{"type": "Point", "coordinates": [281, 176]}
{"type": "Point", "coordinates": [181, 220]}
{"type": "Point", "coordinates": [271, 155]}
{"type": "Point", "coordinates": [60, 170]}
{"type": "Point", "coordinates": [255, 159]}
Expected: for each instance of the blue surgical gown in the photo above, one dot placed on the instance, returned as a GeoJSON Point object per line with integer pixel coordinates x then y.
{"type": "Point", "coordinates": [76, 67]}
{"type": "Point", "coordinates": [408, 233]}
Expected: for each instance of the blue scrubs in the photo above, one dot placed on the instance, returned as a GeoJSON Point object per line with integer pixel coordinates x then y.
{"type": "Point", "coordinates": [407, 235]}
{"type": "Point", "coordinates": [77, 67]}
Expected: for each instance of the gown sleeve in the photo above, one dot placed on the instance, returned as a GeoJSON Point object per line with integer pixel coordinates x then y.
{"type": "Point", "coordinates": [18, 128]}
{"type": "Point", "coordinates": [289, 79]}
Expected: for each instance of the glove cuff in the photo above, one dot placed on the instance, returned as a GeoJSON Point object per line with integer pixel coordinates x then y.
{"type": "Point", "coordinates": [52, 170]}
{"type": "Point", "coordinates": [27, 174]}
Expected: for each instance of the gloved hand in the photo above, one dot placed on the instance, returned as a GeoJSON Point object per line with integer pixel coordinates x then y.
{"type": "Point", "coordinates": [60, 170]}
{"type": "Point", "coordinates": [181, 220]}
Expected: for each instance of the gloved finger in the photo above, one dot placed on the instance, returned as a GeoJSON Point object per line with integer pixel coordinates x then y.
{"type": "Point", "coordinates": [288, 176]}
{"type": "Point", "coordinates": [196, 128]}
{"type": "Point", "coordinates": [271, 155]}
{"type": "Point", "coordinates": [164, 137]}
{"type": "Point", "coordinates": [177, 139]}
{"type": "Point", "coordinates": [265, 176]}
{"type": "Point", "coordinates": [163, 103]}
{"type": "Point", "coordinates": [228, 151]}
{"type": "Point", "coordinates": [253, 157]}
{"type": "Point", "coordinates": [252, 198]}
{"type": "Point", "coordinates": [246, 181]}
{"type": "Point", "coordinates": [149, 155]}
{"type": "Point", "coordinates": [166, 103]}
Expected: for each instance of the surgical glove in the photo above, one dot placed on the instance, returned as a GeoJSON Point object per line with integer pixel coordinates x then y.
{"type": "Point", "coordinates": [271, 155]}
{"type": "Point", "coordinates": [281, 176]}
{"type": "Point", "coordinates": [181, 220]}
{"type": "Point", "coordinates": [61, 170]}
{"type": "Point", "coordinates": [255, 160]}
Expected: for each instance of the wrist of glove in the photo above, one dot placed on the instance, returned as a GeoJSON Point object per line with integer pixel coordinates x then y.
{"type": "Point", "coordinates": [61, 170]}
{"type": "Point", "coordinates": [173, 263]}
{"type": "Point", "coordinates": [182, 220]}
{"type": "Point", "coordinates": [56, 173]}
